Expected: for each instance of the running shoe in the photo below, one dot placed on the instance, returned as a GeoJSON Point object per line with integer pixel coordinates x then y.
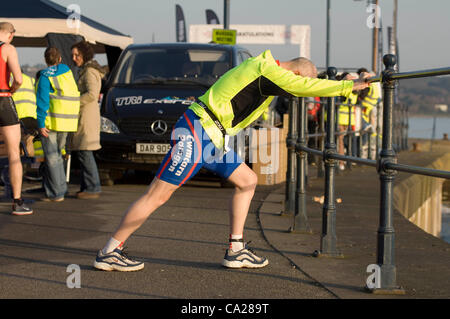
{"type": "Point", "coordinates": [244, 258]}
{"type": "Point", "coordinates": [21, 209]}
{"type": "Point", "coordinates": [116, 260]}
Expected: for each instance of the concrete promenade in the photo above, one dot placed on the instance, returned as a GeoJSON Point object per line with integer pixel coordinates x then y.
{"type": "Point", "coordinates": [183, 244]}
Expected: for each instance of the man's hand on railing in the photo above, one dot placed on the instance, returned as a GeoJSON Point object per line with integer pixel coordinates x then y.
{"type": "Point", "coordinates": [360, 84]}
{"type": "Point", "coordinates": [350, 77]}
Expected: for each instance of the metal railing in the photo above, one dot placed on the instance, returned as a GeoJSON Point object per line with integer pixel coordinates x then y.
{"type": "Point", "coordinates": [385, 164]}
{"type": "Point", "coordinates": [355, 136]}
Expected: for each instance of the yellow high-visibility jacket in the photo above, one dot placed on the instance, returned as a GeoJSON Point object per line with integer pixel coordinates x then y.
{"type": "Point", "coordinates": [242, 94]}
{"type": "Point", "coordinates": [371, 100]}
{"type": "Point", "coordinates": [346, 111]}
{"type": "Point", "coordinates": [64, 104]}
{"type": "Point", "coordinates": [25, 98]}
{"type": "Point", "coordinates": [58, 99]}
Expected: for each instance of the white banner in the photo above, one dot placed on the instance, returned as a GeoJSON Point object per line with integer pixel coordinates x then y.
{"type": "Point", "coordinates": [258, 34]}
{"type": "Point", "coordinates": [301, 34]}
{"type": "Point", "coordinates": [246, 33]}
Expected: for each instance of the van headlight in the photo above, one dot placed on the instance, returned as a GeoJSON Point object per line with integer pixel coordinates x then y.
{"type": "Point", "coordinates": [108, 126]}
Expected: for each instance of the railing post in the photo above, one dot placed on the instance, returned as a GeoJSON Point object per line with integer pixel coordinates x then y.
{"type": "Point", "coordinates": [301, 224]}
{"type": "Point", "coordinates": [291, 171]}
{"type": "Point", "coordinates": [386, 234]}
{"type": "Point", "coordinates": [349, 135]}
{"type": "Point", "coordinates": [328, 244]}
{"type": "Point", "coordinates": [337, 128]}
{"type": "Point", "coordinates": [337, 131]}
{"type": "Point", "coordinates": [360, 136]}
{"type": "Point", "coordinates": [407, 126]}
{"type": "Point", "coordinates": [378, 131]}
{"type": "Point", "coordinates": [320, 168]}
{"type": "Point", "coordinates": [395, 130]}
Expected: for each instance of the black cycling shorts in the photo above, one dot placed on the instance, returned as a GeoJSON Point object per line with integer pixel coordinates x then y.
{"type": "Point", "coordinates": [8, 113]}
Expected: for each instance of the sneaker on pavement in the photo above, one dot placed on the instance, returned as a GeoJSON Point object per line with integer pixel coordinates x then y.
{"type": "Point", "coordinates": [244, 258]}
{"type": "Point", "coordinates": [116, 260]}
{"type": "Point", "coordinates": [21, 209]}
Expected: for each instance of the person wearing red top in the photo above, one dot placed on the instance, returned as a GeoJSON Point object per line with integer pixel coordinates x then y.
{"type": "Point", "coordinates": [9, 120]}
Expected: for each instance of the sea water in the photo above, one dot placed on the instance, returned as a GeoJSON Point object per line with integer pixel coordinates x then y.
{"type": "Point", "coordinates": [422, 127]}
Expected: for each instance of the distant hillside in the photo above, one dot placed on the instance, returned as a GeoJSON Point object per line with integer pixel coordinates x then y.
{"type": "Point", "coordinates": [422, 94]}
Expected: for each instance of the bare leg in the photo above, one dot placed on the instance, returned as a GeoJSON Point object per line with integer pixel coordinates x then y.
{"type": "Point", "coordinates": [11, 134]}
{"type": "Point", "coordinates": [158, 193]}
{"type": "Point", "coordinates": [245, 181]}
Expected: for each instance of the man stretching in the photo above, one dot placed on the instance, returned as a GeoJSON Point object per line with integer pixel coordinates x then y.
{"type": "Point", "coordinates": [236, 100]}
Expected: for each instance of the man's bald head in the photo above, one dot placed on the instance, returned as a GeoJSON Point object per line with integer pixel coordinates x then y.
{"type": "Point", "coordinates": [6, 27]}
{"type": "Point", "coordinates": [301, 66]}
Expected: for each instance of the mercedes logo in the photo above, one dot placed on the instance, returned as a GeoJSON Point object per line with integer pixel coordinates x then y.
{"type": "Point", "coordinates": [159, 127]}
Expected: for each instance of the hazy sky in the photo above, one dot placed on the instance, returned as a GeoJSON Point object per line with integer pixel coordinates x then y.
{"type": "Point", "coordinates": [423, 26]}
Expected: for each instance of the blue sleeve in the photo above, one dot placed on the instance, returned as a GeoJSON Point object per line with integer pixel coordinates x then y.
{"type": "Point", "coordinates": [62, 68]}
{"type": "Point", "coordinates": [42, 100]}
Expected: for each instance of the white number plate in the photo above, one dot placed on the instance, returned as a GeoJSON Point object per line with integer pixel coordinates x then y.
{"type": "Point", "coordinates": [152, 148]}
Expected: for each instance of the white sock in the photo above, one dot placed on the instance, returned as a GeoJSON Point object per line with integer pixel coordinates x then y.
{"type": "Point", "coordinates": [236, 245]}
{"type": "Point", "coordinates": [111, 245]}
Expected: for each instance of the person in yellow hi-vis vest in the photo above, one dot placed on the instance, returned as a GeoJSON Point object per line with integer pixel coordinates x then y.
{"type": "Point", "coordinates": [346, 116]}
{"type": "Point", "coordinates": [25, 101]}
{"type": "Point", "coordinates": [25, 98]}
{"type": "Point", "coordinates": [58, 106]}
{"type": "Point", "coordinates": [369, 99]}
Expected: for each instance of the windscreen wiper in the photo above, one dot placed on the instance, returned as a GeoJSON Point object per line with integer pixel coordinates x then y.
{"type": "Point", "coordinates": [160, 80]}
{"type": "Point", "coordinates": [195, 81]}
{"type": "Point", "coordinates": [173, 80]}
